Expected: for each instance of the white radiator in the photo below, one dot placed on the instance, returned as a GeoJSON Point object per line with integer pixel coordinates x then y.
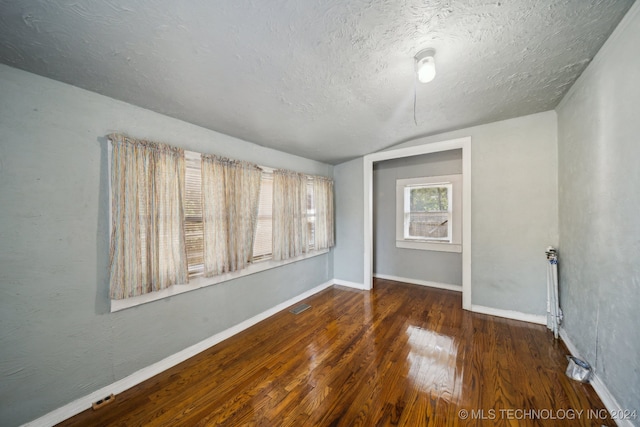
{"type": "Point", "coordinates": [554, 313]}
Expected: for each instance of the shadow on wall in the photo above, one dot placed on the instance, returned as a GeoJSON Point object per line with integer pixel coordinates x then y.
{"type": "Point", "coordinates": [103, 304]}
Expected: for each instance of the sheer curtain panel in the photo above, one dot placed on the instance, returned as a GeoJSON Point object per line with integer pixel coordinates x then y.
{"type": "Point", "coordinates": [290, 230]}
{"type": "Point", "coordinates": [230, 196]}
{"type": "Point", "coordinates": [323, 203]}
{"type": "Point", "coordinates": [147, 234]}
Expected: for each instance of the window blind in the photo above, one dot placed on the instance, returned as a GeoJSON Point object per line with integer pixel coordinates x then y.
{"type": "Point", "coordinates": [262, 245]}
{"type": "Point", "coordinates": [194, 226]}
{"type": "Point", "coordinates": [311, 214]}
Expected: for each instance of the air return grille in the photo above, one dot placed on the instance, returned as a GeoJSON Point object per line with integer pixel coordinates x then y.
{"type": "Point", "coordinates": [300, 308]}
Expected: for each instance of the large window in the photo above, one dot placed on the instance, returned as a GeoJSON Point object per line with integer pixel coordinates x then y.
{"type": "Point", "coordinates": [263, 241]}
{"type": "Point", "coordinates": [428, 213]}
{"type": "Point", "coordinates": [166, 201]}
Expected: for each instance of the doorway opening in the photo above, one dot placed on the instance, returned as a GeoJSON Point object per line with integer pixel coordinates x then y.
{"type": "Point", "coordinates": [415, 150]}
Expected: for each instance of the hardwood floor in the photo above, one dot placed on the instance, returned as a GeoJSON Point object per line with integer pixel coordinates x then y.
{"type": "Point", "coordinates": [401, 355]}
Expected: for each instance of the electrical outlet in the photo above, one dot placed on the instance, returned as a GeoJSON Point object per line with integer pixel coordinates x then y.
{"type": "Point", "coordinates": [104, 401]}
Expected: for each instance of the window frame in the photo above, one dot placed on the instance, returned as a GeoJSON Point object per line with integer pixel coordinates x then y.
{"type": "Point", "coordinates": [403, 188]}
{"type": "Point", "coordinates": [311, 215]}
{"type": "Point", "coordinates": [267, 174]}
{"type": "Point", "coordinates": [408, 212]}
{"type": "Point", "coordinates": [192, 157]}
{"type": "Point", "coordinates": [198, 281]}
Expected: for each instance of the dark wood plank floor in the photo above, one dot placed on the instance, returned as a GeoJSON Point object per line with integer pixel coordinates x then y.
{"type": "Point", "coordinates": [401, 355]}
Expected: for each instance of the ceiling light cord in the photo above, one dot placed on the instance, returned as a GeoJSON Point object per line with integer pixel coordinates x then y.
{"type": "Point", "coordinates": [425, 71]}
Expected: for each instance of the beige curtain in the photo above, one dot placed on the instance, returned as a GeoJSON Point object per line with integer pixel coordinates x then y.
{"type": "Point", "coordinates": [147, 236]}
{"type": "Point", "coordinates": [290, 224]}
{"type": "Point", "coordinates": [323, 201]}
{"type": "Point", "coordinates": [230, 196]}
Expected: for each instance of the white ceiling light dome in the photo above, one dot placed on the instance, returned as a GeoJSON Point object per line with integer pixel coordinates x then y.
{"type": "Point", "coordinates": [426, 65]}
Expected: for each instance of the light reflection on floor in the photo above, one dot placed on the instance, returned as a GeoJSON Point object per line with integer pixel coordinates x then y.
{"type": "Point", "coordinates": [432, 359]}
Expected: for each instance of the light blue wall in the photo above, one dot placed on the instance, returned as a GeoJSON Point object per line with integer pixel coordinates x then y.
{"type": "Point", "coordinates": [58, 341]}
{"type": "Point", "coordinates": [599, 155]}
{"type": "Point", "coordinates": [514, 210]}
{"type": "Point", "coordinates": [432, 266]}
{"type": "Point", "coordinates": [514, 205]}
{"type": "Point", "coordinates": [348, 255]}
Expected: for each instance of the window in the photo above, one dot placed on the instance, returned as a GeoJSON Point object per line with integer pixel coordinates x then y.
{"type": "Point", "coordinates": [429, 213]}
{"type": "Point", "coordinates": [194, 227]}
{"type": "Point", "coordinates": [183, 238]}
{"type": "Point", "coordinates": [193, 224]}
{"type": "Point", "coordinates": [311, 215]}
{"type": "Point", "coordinates": [262, 243]}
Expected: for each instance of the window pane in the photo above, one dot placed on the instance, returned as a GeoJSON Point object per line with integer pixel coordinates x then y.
{"type": "Point", "coordinates": [193, 225]}
{"type": "Point", "coordinates": [311, 215]}
{"type": "Point", "coordinates": [429, 216]}
{"type": "Point", "coordinates": [429, 225]}
{"type": "Point", "coordinates": [429, 199]}
{"type": "Point", "coordinates": [262, 245]}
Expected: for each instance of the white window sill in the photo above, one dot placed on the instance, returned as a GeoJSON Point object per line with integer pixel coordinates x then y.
{"type": "Point", "coordinates": [429, 246]}
{"type": "Point", "coordinates": [201, 282]}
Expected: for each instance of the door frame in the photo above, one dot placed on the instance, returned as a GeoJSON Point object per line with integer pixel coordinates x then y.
{"type": "Point", "coordinates": [416, 150]}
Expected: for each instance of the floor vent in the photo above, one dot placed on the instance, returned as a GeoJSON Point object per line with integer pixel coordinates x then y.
{"type": "Point", "coordinates": [300, 308]}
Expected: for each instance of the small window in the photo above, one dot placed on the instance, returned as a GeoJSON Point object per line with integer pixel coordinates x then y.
{"type": "Point", "coordinates": [429, 213]}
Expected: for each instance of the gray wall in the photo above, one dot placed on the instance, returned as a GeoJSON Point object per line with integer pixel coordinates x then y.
{"type": "Point", "coordinates": [514, 204]}
{"type": "Point", "coordinates": [599, 156]}
{"type": "Point", "coordinates": [348, 254]}
{"type": "Point", "coordinates": [433, 266]}
{"type": "Point", "coordinates": [58, 341]}
{"type": "Point", "coordinates": [514, 210]}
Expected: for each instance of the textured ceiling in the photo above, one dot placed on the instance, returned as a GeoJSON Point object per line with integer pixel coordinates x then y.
{"type": "Point", "coordinates": [328, 80]}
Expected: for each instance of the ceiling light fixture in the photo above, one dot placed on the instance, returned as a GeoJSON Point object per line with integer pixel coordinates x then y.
{"type": "Point", "coordinates": [426, 65]}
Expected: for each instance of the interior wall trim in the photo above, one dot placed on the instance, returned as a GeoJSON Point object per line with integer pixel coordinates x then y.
{"type": "Point", "coordinates": [348, 284]}
{"type": "Point", "coordinates": [510, 314]}
{"type": "Point", "coordinates": [598, 385]}
{"type": "Point", "coordinates": [73, 408]}
{"type": "Point", "coordinates": [69, 410]}
{"type": "Point", "coordinates": [415, 150]}
{"type": "Point", "coordinates": [439, 285]}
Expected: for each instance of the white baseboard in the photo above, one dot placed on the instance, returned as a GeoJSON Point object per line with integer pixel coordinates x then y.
{"type": "Point", "coordinates": [83, 403]}
{"type": "Point", "coordinates": [600, 388]}
{"type": "Point", "coordinates": [348, 284]}
{"type": "Point", "coordinates": [510, 314]}
{"type": "Point", "coordinates": [572, 348]}
{"type": "Point", "coordinates": [457, 288]}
